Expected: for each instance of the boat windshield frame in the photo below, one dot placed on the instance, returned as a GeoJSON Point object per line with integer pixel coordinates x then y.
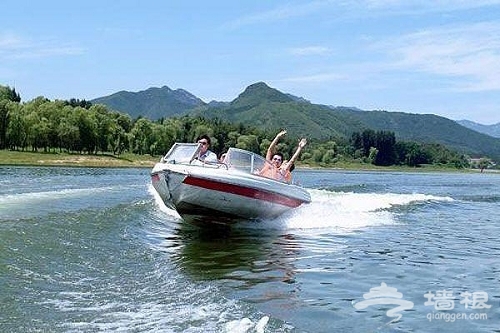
{"type": "Point", "coordinates": [236, 159]}
{"type": "Point", "coordinates": [244, 160]}
{"type": "Point", "coordinates": [183, 153]}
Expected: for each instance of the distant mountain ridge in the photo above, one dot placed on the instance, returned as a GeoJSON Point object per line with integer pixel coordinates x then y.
{"type": "Point", "coordinates": [491, 130]}
{"type": "Point", "coordinates": [153, 103]}
{"type": "Point", "coordinates": [267, 108]}
{"type": "Point", "coordinates": [430, 128]}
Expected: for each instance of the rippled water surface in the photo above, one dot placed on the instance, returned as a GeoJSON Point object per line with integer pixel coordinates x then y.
{"type": "Point", "coordinates": [90, 250]}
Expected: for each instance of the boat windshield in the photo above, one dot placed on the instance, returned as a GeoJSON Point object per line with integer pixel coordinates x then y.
{"type": "Point", "coordinates": [182, 153]}
{"type": "Point", "coordinates": [244, 160]}
{"type": "Point", "coordinates": [236, 159]}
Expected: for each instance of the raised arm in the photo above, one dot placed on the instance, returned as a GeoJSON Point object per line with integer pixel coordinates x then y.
{"type": "Point", "coordinates": [302, 144]}
{"type": "Point", "coordinates": [270, 150]}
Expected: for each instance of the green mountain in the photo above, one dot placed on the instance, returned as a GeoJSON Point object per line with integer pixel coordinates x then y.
{"type": "Point", "coordinates": [429, 128]}
{"type": "Point", "coordinates": [267, 108]}
{"type": "Point", "coordinates": [153, 103]}
{"type": "Point", "coordinates": [491, 130]}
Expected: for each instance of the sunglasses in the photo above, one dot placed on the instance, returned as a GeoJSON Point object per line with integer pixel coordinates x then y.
{"type": "Point", "coordinates": [277, 159]}
{"type": "Point", "coordinates": [203, 142]}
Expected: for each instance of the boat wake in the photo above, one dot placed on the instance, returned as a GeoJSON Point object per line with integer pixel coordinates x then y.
{"type": "Point", "coordinates": [343, 211]}
{"type": "Point", "coordinates": [29, 204]}
{"type": "Point", "coordinates": [348, 211]}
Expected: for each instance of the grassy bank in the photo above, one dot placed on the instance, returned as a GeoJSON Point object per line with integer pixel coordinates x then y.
{"type": "Point", "coordinates": [357, 166]}
{"type": "Point", "coordinates": [8, 157]}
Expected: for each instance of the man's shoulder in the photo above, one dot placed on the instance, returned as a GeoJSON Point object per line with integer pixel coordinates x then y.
{"type": "Point", "coordinates": [210, 155]}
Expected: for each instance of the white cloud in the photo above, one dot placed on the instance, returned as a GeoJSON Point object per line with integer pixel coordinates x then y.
{"type": "Point", "coordinates": [413, 7]}
{"type": "Point", "coordinates": [316, 78]}
{"type": "Point", "coordinates": [469, 52]}
{"type": "Point", "coordinates": [310, 50]}
{"type": "Point", "coordinates": [279, 13]}
{"type": "Point", "coordinates": [354, 9]}
{"type": "Point", "coordinates": [10, 41]}
{"type": "Point", "coordinates": [13, 46]}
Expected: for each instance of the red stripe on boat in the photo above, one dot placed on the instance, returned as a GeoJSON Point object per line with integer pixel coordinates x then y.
{"type": "Point", "coordinates": [155, 177]}
{"type": "Point", "coordinates": [244, 191]}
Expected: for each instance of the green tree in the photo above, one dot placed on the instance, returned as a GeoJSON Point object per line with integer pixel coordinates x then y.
{"type": "Point", "coordinates": [68, 132]}
{"type": "Point", "coordinates": [248, 142]}
{"type": "Point", "coordinates": [385, 143]}
{"type": "Point", "coordinates": [162, 138]}
{"type": "Point", "coordinates": [7, 95]}
{"type": "Point", "coordinates": [201, 129]}
{"type": "Point", "coordinates": [411, 154]}
{"type": "Point", "coordinates": [105, 127]}
{"type": "Point", "coordinates": [51, 113]}
{"type": "Point", "coordinates": [317, 155]}
{"type": "Point", "coordinates": [87, 128]}
{"type": "Point", "coordinates": [16, 130]}
{"type": "Point", "coordinates": [123, 126]}
{"type": "Point", "coordinates": [328, 156]}
{"type": "Point", "coordinates": [140, 136]}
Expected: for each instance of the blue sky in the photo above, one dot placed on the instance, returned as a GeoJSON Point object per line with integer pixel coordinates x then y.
{"type": "Point", "coordinates": [440, 57]}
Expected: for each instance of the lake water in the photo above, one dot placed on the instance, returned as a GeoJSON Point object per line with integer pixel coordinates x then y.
{"type": "Point", "coordinates": [94, 250]}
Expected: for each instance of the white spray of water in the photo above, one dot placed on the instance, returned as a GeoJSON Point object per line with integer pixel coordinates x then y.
{"type": "Point", "coordinates": [343, 211]}
{"type": "Point", "coordinates": [245, 324]}
{"type": "Point", "coordinates": [347, 211]}
{"type": "Point", "coordinates": [161, 205]}
{"type": "Point", "coordinates": [32, 197]}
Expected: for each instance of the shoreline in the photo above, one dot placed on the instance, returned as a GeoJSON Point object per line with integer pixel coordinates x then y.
{"type": "Point", "coordinates": [51, 159]}
{"type": "Point", "coordinates": [395, 169]}
{"type": "Point", "coordinates": [20, 158]}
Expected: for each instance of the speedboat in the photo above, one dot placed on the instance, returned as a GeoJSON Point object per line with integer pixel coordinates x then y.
{"type": "Point", "coordinates": [223, 192]}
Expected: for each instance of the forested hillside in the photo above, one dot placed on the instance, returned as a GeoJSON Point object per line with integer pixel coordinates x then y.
{"type": "Point", "coordinates": [77, 126]}
{"type": "Point", "coordinates": [267, 108]}
{"type": "Point", "coordinates": [153, 103]}
{"type": "Point", "coordinates": [428, 128]}
{"type": "Point", "coordinates": [491, 130]}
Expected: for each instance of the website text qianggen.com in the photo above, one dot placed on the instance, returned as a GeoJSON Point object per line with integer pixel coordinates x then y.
{"type": "Point", "coordinates": [451, 317]}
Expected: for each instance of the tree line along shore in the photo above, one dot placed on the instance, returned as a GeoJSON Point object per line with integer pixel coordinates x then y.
{"type": "Point", "coordinates": [75, 132]}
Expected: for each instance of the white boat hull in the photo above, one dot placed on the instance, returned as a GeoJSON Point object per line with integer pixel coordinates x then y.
{"type": "Point", "coordinates": [204, 194]}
